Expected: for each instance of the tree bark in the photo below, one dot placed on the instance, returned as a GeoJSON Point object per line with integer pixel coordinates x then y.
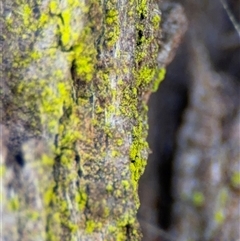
{"type": "Point", "coordinates": [76, 76]}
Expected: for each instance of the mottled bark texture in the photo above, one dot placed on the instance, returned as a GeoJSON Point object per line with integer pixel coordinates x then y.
{"type": "Point", "coordinates": [76, 76]}
{"type": "Point", "coordinates": [193, 175]}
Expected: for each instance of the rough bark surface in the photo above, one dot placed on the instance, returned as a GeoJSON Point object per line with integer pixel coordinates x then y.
{"type": "Point", "coordinates": [76, 76]}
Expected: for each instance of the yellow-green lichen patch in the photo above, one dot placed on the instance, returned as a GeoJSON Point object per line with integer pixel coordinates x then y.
{"type": "Point", "coordinates": [221, 203]}
{"type": "Point", "coordinates": [142, 8]}
{"type": "Point", "coordinates": [147, 77]}
{"type": "Point", "coordinates": [25, 22]}
{"type": "Point", "coordinates": [138, 153]}
{"type": "Point", "coordinates": [109, 187]}
{"type": "Point", "coordinates": [84, 60]}
{"type": "Point", "coordinates": [123, 225]}
{"type": "Point", "coordinates": [27, 14]}
{"type": "Point", "coordinates": [33, 215]}
{"type": "Point", "coordinates": [92, 226]}
{"type": "Point", "coordinates": [144, 76]}
{"type": "Point", "coordinates": [81, 199]}
{"type": "Point", "coordinates": [53, 226]}
{"type": "Point", "coordinates": [52, 101]}
{"type": "Point", "coordinates": [84, 55]}
{"type": "Point", "coordinates": [160, 75]}
{"type": "Point", "coordinates": [54, 7]}
{"type": "Point", "coordinates": [65, 29]}
{"type": "Point", "coordinates": [126, 184]}
{"type": "Point", "coordinates": [112, 30]}
{"type": "Point", "coordinates": [68, 17]}
{"type": "Point", "coordinates": [61, 219]}
{"type": "Point", "coordinates": [118, 193]}
{"type": "Point", "coordinates": [198, 199]}
{"type": "Point", "coordinates": [119, 142]}
{"type": "Point", "coordinates": [13, 203]}
{"type": "Point", "coordinates": [48, 195]}
{"type": "Point", "coordinates": [223, 197]}
{"type": "Point", "coordinates": [106, 212]}
{"type": "Point", "coordinates": [115, 153]}
{"type": "Point", "coordinates": [124, 220]}
{"type": "Point", "coordinates": [144, 73]}
{"type": "Point", "coordinates": [235, 179]}
{"type": "Point", "coordinates": [219, 217]}
{"type": "Point", "coordinates": [129, 103]}
{"type": "Point", "coordinates": [156, 19]}
{"type": "Point", "coordinates": [2, 170]}
{"type": "Point", "coordinates": [147, 46]}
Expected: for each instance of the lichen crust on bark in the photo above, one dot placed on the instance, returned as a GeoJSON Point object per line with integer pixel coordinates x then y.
{"type": "Point", "coordinates": [76, 74]}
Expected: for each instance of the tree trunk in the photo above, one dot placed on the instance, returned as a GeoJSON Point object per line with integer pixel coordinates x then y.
{"type": "Point", "coordinates": [76, 78]}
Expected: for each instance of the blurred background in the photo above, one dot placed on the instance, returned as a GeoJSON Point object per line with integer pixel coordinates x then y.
{"type": "Point", "coordinates": [190, 190]}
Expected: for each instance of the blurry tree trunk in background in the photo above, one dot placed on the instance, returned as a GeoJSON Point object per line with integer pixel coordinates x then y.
{"type": "Point", "coordinates": [76, 78]}
{"type": "Point", "coordinates": [193, 175]}
{"type": "Point", "coordinates": [206, 182]}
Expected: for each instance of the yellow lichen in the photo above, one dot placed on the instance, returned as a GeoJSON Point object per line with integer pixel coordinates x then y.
{"type": "Point", "coordinates": [219, 217]}
{"type": "Point", "coordinates": [198, 198]}
{"type": "Point", "coordinates": [160, 75]}
{"type": "Point", "coordinates": [235, 179]}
